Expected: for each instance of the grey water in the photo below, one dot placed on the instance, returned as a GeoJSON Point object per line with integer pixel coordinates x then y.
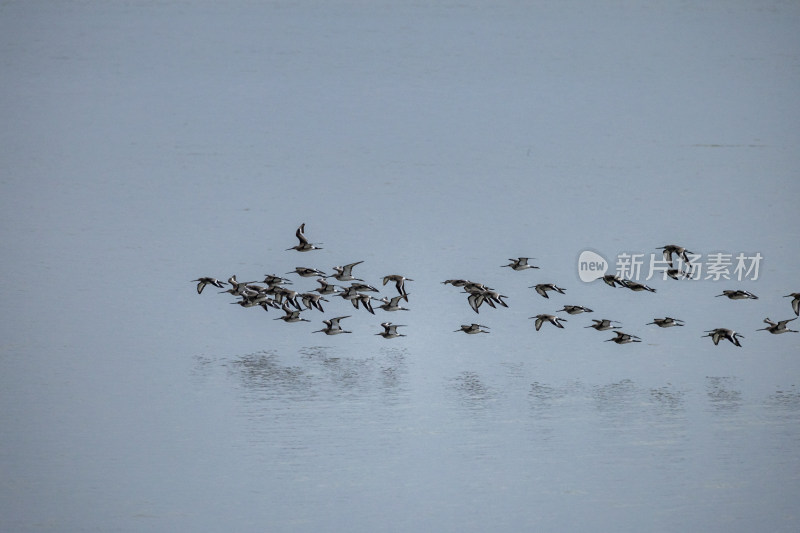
{"type": "Point", "coordinates": [148, 144]}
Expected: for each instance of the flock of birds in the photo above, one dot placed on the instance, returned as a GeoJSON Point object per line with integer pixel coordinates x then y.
{"type": "Point", "coordinates": [272, 292]}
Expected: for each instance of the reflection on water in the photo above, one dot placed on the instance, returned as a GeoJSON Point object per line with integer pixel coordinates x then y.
{"type": "Point", "coordinates": [471, 391]}
{"type": "Point", "coordinates": [304, 406]}
{"type": "Point", "coordinates": [321, 374]}
{"type": "Point", "coordinates": [551, 407]}
{"type": "Point", "coordinates": [616, 397]}
{"type": "Point", "coordinates": [301, 409]}
{"type": "Point", "coordinates": [783, 407]}
{"type": "Point", "coordinates": [668, 399]}
{"type": "Point", "coordinates": [724, 394]}
{"type": "Point", "coordinates": [262, 372]}
{"type": "Point", "coordinates": [543, 396]}
{"type": "Point", "coordinates": [620, 407]}
{"type": "Point", "coordinates": [203, 368]}
{"type": "Point", "coordinates": [548, 401]}
{"type": "Point", "coordinates": [322, 419]}
{"type": "Point", "coordinates": [514, 370]}
{"type": "Point", "coordinates": [786, 399]}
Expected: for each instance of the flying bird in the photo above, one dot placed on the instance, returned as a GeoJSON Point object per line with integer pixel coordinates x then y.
{"type": "Point", "coordinates": [202, 282]}
{"type": "Point", "coordinates": [636, 286]}
{"type": "Point", "coordinates": [311, 300]}
{"type": "Point", "coordinates": [306, 272]}
{"type": "Point", "coordinates": [679, 251]}
{"type": "Point", "coordinates": [612, 280]}
{"type": "Point", "coordinates": [520, 263]}
{"type": "Point", "coordinates": [624, 338]}
{"type": "Point", "coordinates": [555, 320]}
{"type": "Point", "coordinates": [364, 299]}
{"type": "Point", "coordinates": [718, 334]}
{"type": "Point", "coordinates": [345, 273]}
{"type": "Point", "coordinates": [778, 327]}
{"type": "Point", "coordinates": [542, 289]}
{"type": "Point", "coordinates": [292, 315]}
{"type": "Point", "coordinates": [738, 295]}
{"type": "Point", "coordinates": [472, 329]}
{"type": "Point", "coordinates": [390, 330]}
{"type": "Point", "coordinates": [666, 322]}
{"type": "Point", "coordinates": [391, 304]}
{"type": "Point", "coordinates": [304, 245]}
{"type": "Point", "coordinates": [603, 324]}
{"type": "Point", "coordinates": [575, 309]}
{"type": "Point", "coordinates": [399, 283]}
{"type": "Point", "coordinates": [332, 326]}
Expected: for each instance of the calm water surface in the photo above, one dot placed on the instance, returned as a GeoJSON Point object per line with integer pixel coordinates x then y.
{"type": "Point", "coordinates": [148, 144]}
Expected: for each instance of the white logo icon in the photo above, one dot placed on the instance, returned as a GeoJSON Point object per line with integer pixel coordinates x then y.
{"type": "Point", "coordinates": [591, 266]}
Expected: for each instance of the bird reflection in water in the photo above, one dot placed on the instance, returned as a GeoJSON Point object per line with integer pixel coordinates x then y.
{"type": "Point", "coordinates": [723, 393]}
{"type": "Point", "coordinates": [472, 392]}
{"type": "Point", "coordinates": [321, 374]}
